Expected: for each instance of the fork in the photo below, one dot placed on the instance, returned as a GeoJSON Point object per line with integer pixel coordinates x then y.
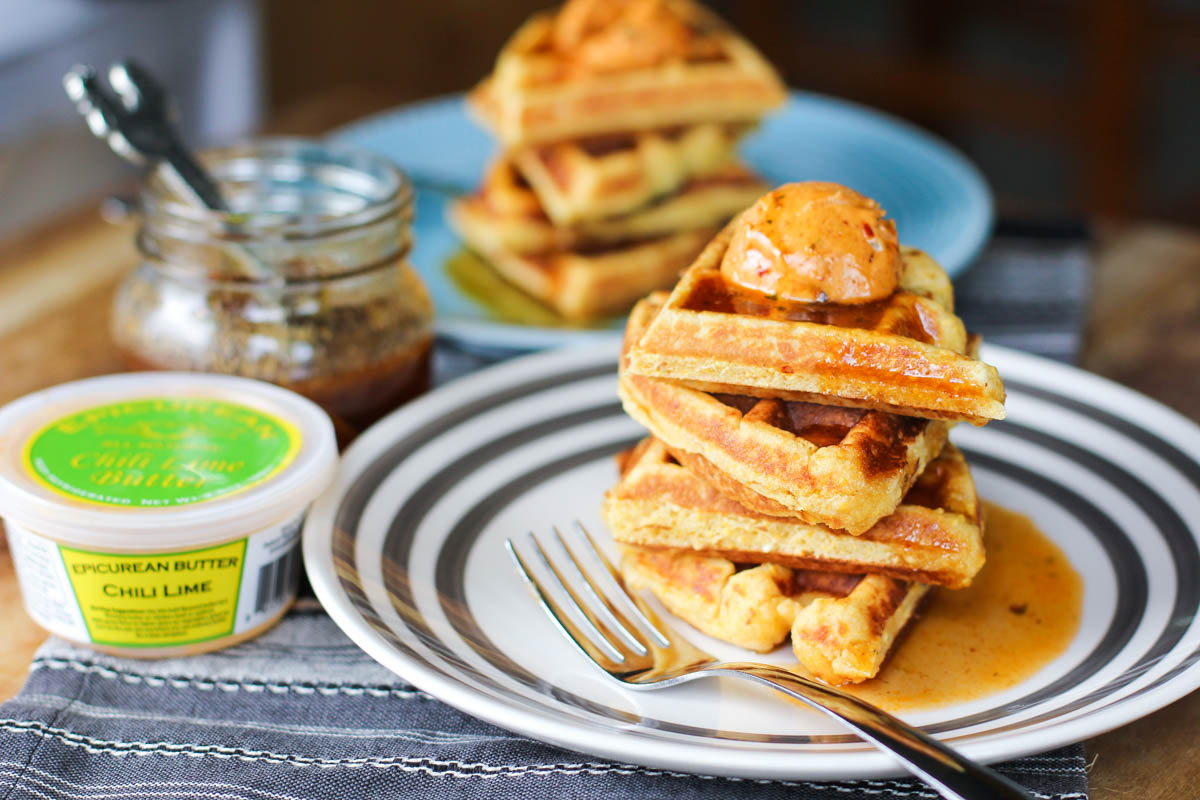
{"type": "Point", "coordinates": [650, 655]}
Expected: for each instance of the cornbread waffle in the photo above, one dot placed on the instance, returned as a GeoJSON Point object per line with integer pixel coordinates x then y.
{"type": "Point", "coordinates": [838, 467]}
{"type": "Point", "coordinates": [538, 93]}
{"type": "Point", "coordinates": [842, 626]}
{"type": "Point", "coordinates": [586, 284]}
{"type": "Point", "coordinates": [505, 215]}
{"type": "Point", "coordinates": [932, 537]}
{"type": "Point", "coordinates": [591, 179]}
{"type": "Point", "coordinates": [908, 354]}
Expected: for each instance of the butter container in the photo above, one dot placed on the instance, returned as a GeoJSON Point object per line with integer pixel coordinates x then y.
{"type": "Point", "coordinates": [159, 514]}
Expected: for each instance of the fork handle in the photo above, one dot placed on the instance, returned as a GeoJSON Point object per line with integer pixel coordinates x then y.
{"type": "Point", "coordinates": [951, 774]}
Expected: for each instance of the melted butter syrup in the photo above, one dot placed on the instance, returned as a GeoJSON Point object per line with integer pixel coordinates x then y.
{"type": "Point", "coordinates": [1019, 614]}
{"type": "Point", "coordinates": [501, 300]}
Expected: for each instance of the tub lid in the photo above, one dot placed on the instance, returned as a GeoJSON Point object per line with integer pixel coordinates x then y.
{"type": "Point", "coordinates": [161, 460]}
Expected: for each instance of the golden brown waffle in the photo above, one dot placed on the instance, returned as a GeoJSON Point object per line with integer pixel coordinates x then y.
{"type": "Point", "coordinates": [842, 626]}
{"type": "Point", "coordinates": [506, 215]}
{"type": "Point", "coordinates": [539, 92]}
{"type": "Point", "coordinates": [908, 354]}
{"type": "Point", "coordinates": [606, 176]}
{"type": "Point", "coordinates": [587, 284]}
{"type": "Point", "coordinates": [933, 536]}
{"type": "Point", "coordinates": [842, 468]}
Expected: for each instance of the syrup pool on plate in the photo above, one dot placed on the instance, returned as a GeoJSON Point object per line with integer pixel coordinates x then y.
{"type": "Point", "coordinates": [1019, 614]}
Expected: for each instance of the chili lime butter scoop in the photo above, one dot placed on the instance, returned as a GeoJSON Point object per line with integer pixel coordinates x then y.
{"type": "Point", "coordinates": [159, 514]}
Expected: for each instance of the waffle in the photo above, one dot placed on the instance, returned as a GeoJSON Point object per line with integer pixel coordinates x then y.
{"type": "Point", "coordinates": [908, 354]}
{"type": "Point", "coordinates": [587, 284]}
{"type": "Point", "coordinates": [932, 537]}
{"type": "Point", "coordinates": [842, 626]}
{"type": "Point", "coordinates": [842, 468]}
{"type": "Point", "coordinates": [592, 179]}
{"type": "Point", "coordinates": [506, 215]}
{"type": "Point", "coordinates": [539, 92]}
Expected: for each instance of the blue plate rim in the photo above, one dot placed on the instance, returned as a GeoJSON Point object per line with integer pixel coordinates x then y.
{"type": "Point", "coordinates": [471, 331]}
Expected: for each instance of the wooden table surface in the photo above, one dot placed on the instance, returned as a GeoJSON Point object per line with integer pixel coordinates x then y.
{"type": "Point", "coordinates": [1144, 330]}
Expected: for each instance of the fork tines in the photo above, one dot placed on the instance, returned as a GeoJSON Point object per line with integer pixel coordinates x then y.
{"type": "Point", "coordinates": [597, 620]}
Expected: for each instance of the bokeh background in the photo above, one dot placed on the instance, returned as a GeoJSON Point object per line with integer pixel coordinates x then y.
{"type": "Point", "coordinates": [1073, 109]}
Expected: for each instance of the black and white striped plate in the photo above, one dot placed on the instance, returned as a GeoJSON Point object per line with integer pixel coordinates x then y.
{"type": "Point", "coordinates": [405, 552]}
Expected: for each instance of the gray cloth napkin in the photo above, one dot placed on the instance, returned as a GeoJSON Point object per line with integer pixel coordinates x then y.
{"type": "Point", "coordinates": [302, 714]}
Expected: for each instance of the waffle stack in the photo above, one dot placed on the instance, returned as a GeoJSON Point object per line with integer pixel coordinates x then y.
{"type": "Point", "coordinates": [619, 122]}
{"type": "Point", "coordinates": [798, 478]}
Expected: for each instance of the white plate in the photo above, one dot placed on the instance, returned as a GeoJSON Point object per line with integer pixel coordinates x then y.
{"type": "Point", "coordinates": [939, 200]}
{"type": "Point", "coordinates": [406, 554]}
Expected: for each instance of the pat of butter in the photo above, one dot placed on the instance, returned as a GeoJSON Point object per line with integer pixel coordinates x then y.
{"type": "Point", "coordinates": [157, 514]}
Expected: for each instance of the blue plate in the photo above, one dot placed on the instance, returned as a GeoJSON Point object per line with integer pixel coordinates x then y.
{"type": "Point", "coordinates": [939, 200]}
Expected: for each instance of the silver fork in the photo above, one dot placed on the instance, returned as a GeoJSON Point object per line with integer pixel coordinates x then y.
{"type": "Point", "coordinates": [649, 655]}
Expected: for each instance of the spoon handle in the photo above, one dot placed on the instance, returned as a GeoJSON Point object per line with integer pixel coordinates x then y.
{"type": "Point", "coordinates": [194, 180]}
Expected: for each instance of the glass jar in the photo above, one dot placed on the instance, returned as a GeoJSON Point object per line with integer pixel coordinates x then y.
{"type": "Point", "coordinates": [304, 283]}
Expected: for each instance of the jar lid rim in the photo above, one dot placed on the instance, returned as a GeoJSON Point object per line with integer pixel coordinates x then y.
{"type": "Point", "coordinates": [384, 189]}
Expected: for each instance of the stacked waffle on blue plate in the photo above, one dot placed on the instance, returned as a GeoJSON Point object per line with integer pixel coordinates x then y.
{"type": "Point", "coordinates": [619, 121]}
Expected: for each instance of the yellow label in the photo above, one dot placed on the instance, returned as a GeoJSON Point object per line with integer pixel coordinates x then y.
{"type": "Point", "coordinates": [157, 600]}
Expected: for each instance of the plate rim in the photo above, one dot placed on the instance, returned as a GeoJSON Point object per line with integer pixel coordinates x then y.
{"type": "Point", "coordinates": [965, 249]}
{"type": "Point", "coordinates": [681, 756]}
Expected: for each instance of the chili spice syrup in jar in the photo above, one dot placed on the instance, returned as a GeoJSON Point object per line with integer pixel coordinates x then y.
{"type": "Point", "coordinates": [305, 283]}
{"type": "Point", "coordinates": [158, 514]}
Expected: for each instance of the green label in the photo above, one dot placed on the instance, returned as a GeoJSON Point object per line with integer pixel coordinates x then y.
{"type": "Point", "coordinates": [160, 451]}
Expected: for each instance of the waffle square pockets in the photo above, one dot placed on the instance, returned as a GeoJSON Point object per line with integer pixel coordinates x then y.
{"type": "Point", "coordinates": [843, 468]}
{"type": "Point", "coordinates": [614, 174]}
{"type": "Point", "coordinates": [906, 353]}
{"type": "Point", "coordinates": [842, 626]}
{"type": "Point", "coordinates": [505, 214]}
{"type": "Point", "coordinates": [933, 536]}
{"type": "Point", "coordinates": [586, 282]}
{"type": "Point", "coordinates": [576, 72]}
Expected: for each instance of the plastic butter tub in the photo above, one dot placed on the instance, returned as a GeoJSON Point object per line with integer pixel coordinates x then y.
{"type": "Point", "coordinates": [159, 514]}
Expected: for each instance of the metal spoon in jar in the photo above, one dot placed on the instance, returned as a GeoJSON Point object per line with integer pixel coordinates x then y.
{"type": "Point", "coordinates": [138, 125]}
